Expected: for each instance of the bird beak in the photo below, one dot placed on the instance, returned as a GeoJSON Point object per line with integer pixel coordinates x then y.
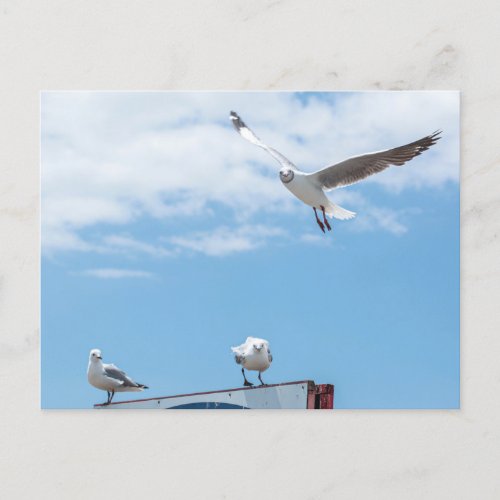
{"type": "Point", "coordinates": [99, 357]}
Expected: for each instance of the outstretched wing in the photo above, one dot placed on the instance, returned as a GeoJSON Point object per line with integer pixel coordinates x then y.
{"type": "Point", "coordinates": [247, 134]}
{"type": "Point", "coordinates": [359, 167]}
{"type": "Point", "coordinates": [114, 372]}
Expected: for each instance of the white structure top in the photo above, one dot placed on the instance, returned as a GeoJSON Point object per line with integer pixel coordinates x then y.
{"type": "Point", "coordinates": [304, 394]}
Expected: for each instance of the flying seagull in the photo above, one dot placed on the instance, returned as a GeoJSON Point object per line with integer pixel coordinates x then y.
{"type": "Point", "coordinates": [310, 188]}
{"type": "Point", "coordinates": [254, 355]}
{"type": "Point", "coordinates": [109, 378]}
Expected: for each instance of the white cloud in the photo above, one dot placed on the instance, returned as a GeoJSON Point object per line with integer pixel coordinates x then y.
{"type": "Point", "coordinates": [225, 241]}
{"type": "Point", "coordinates": [61, 239]}
{"type": "Point", "coordinates": [315, 239]}
{"type": "Point", "coordinates": [126, 244]}
{"type": "Point", "coordinates": [112, 158]}
{"type": "Point", "coordinates": [110, 273]}
{"type": "Point", "coordinates": [377, 218]}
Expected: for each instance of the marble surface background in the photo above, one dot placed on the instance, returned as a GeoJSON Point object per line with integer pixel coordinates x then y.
{"type": "Point", "coordinates": [226, 44]}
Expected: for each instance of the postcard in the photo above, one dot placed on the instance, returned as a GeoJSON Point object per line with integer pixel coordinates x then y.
{"type": "Point", "coordinates": [250, 250]}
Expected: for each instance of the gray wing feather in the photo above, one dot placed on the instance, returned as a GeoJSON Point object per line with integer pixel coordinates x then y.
{"type": "Point", "coordinates": [114, 372]}
{"type": "Point", "coordinates": [359, 167]}
{"type": "Point", "coordinates": [270, 357]}
{"type": "Point", "coordinates": [247, 134]}
{"type": "Point", "coordinates": [239, 358]}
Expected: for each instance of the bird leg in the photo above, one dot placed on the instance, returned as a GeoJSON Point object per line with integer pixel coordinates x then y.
{"type": "Point", "coordinates": [320, 224]}
{"type": "Point", "coordinates": [261, 381]}
{"type": "Point", "coordinates": [107, 402]}
{"type": "Point", "coordinates": [246, 383]}
{"type": "Point", "coordinates": [324, 219]}
{"type": "Point", "coordinates": [112, 394]}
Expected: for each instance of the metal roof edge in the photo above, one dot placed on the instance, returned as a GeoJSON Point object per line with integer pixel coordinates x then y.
{"type": "Point", "coordinates": [253, 388]}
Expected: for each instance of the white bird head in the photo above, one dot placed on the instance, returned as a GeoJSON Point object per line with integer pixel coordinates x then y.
{"type": "Point", "coordinates": [286, 175]}
{"type": "Point", "coordinates": [258, 347]}
{"type": "Point", "coordinates": [95, 355]}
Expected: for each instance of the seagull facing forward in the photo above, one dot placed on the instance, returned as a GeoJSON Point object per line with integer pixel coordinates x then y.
{"type": "Point", "coordinates": [310, 188]}
{"type": "Point", "coordinates": [254, 355]}
{"type": "Point", "coordinates": [109, 378]}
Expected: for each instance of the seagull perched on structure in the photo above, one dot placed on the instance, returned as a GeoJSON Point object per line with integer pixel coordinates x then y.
{"type": "Point", "coordinates": [310, 188]}
{"type": "Point", "coordinates": [255, 355]}
{"type": "Point", "coordinates": [109, 378]}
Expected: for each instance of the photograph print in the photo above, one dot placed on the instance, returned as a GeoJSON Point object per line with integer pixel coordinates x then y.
{"type": "Point", "coordinates": [250, 250]}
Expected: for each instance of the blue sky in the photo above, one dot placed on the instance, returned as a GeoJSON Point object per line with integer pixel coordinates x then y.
{"type": "Point", "coordinates": [167, 238]}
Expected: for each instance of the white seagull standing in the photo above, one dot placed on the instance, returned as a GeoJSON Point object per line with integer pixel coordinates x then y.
{"type": "Point", "coordinates": [255, 355]}
{"type": "Point", "coordinates": [310, 188]}
{"type": "Point", "coordinates": [109, 378]}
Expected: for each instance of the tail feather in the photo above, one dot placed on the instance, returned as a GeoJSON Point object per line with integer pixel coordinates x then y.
{"type": "Point", "coordinates": [340, 213]}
